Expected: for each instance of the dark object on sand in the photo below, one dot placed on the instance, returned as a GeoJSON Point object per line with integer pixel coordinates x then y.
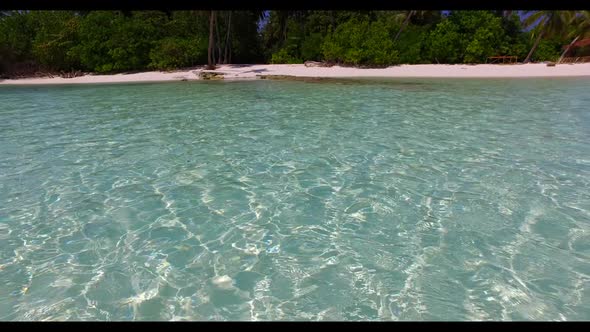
{"type": "Point", "coordinates": [317, 64]}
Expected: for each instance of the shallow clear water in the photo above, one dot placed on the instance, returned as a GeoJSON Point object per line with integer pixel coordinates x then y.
{"type": "Point", "coordinates": [383, 200]}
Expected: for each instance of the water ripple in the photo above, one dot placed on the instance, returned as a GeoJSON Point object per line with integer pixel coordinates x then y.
{"type": "Point", "coordinates": [371, 200]}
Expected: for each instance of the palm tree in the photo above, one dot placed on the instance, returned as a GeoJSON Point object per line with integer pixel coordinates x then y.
{"type": "Point", "coordinates": [404, 24]}
{"type": "Point", "coordinates": [550, 22]}
{"type": "Point", "coordinates": [283, 16]}
{"type": "Point", "coordinates": [581, 23]}
{"type": "Point", "coordinates": [276, 27]}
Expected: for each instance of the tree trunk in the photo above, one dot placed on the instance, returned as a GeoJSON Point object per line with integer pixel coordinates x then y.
{"type": "Point", "coordinates": [285, 32]}
{"type": "Point", "coordinates": [210, 56]}
{"type": "Point", "coordinates": [226, 55]}
{"type": "Point", "coordinates": [528, 57]}
{"type": "Point", "coordinates": [567, 49]}
{"type": "Point", "coordinates": [406, 21]}
{"type": "Point", "coordinates": [302, 18]}
{"type": "Point", "coordinates": [284, 21]}
{"type": "Point", "coordinates": [218, 41]}
{"type": "Point", "coordinates": [333, 19]}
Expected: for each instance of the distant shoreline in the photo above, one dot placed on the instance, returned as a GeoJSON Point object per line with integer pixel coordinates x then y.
{"type": "Point", "coordinates": [249, 72]}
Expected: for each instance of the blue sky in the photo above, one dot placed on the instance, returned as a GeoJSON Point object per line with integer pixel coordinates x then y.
{"type": "Point", "coordinates": [263, 22]}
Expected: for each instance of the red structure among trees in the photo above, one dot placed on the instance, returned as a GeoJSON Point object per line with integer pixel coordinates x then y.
{"type": "Point", "coordinates": [573, 52]}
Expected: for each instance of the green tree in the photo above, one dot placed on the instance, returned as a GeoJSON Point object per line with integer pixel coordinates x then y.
{"type": "Point", "coordinates": [174, 52]}
{"type": "Point", "coordinates": [311, 48]}
{"type": "Point", "coordinates": [95, 32]}
{"type": "Point", "coordinates": [411, 43]}
{"type": "Point", "coordinates": [112, 42]}
{"type": "Point", "coordinates": [57, 34]}
{"type": "Point", "coordinates": [423, 14]}
{"type": "Point", "coordinates": [444, 43]}
{"type": "Point", "coordinates": [466, 36]}
{"type": "Point", "coordinates": [360, 42]}
{"type": "Point", "coordinates": [17, 32]}
{"type": "Point", "coordinates": [548, 23]}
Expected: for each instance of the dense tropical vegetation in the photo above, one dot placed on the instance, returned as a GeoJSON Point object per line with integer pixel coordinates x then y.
{"type": "Point", "coordinates": [113, 41]}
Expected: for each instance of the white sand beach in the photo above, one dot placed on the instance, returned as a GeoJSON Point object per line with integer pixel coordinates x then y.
{"type": "Point", "coordinates": [235, 72]}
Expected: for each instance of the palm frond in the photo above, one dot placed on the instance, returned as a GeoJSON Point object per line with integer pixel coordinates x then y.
{"type": "Point", "coordinates": [534, 17]}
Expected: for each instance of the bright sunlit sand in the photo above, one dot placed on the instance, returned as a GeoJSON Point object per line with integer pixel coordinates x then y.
{"type": "Point", "coordinates": [408, 71]}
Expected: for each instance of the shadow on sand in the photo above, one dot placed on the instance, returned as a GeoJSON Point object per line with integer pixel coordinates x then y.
{"type": "Point", "coordinates": [255, 71]}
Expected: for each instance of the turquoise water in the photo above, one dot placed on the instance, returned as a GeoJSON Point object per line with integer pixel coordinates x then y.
{"type": "Point", "coordinates": [363, 200]}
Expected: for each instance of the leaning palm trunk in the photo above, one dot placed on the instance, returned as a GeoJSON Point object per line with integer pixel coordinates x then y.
{"type": "Point", "coordinates": [528, 57]}
{"type": "Point", "coordinates": [404, 24]}
{"type": "Point", "coordinates": [567, 49]}
{"type": "Point", "coordinates": [210, 56]}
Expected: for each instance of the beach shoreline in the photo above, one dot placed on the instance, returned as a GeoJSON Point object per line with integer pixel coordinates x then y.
{"type": "Point", "coordinates": [250, 72]}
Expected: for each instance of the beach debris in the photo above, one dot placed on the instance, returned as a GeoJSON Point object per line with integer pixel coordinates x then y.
{"type": "Point", "coordinates": [210, 75]}
{"type": "Point", "coordinates": [550, 64]}
{"type": "Point", "coordinates": [71, 74]}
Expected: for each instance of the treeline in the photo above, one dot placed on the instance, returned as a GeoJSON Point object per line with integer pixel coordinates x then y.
{"type": "Point", "coordinates": [114, 41]}
{"type": "Point", "coordinates": [419, 37]}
